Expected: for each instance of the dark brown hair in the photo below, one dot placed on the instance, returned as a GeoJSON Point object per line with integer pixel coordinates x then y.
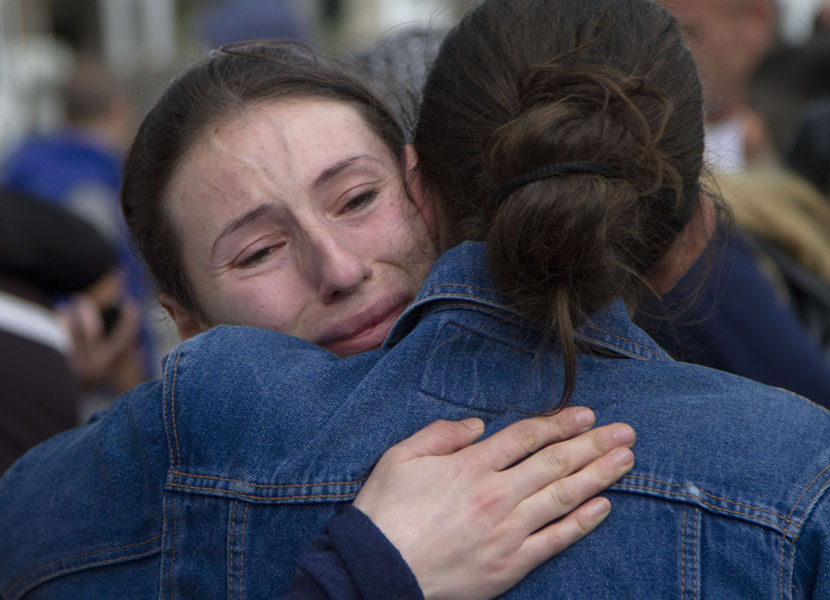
{"type": "Point", "coordinates": [223, 85]}
{"type": "Point", "coordinates": [522, 83]}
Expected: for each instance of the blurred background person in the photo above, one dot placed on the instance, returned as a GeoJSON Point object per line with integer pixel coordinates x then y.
{"type": "Point", "coordinates": [742, 309]}
{"type": "Point", "coordinates": [44, 251]}
{"type": "Point", "coordinates": [78, 168]}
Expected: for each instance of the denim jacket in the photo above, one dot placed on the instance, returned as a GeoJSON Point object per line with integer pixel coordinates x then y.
{"type": "Point", "coordinates": [209, 482]}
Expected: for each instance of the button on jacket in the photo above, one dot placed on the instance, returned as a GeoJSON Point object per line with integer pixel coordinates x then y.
{"type": "Point", "coordinates": [209, 483]}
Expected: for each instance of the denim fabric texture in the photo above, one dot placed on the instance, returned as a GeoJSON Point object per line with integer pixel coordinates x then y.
{"type": "Point", "coordinates": [209, 483]}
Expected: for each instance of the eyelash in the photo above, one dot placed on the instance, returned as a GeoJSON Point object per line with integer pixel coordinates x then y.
{"type": "Point", "coordinates": [261, 254]}
{"type": "Point", "coordinates": [258, 256]}
{"type": "Point", "coordinates": [360, 201]}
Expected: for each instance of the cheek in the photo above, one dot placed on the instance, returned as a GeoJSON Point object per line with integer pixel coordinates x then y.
{"type": "Point", "coordinates": [404, 240]}
{"type": "Point", "coordinates": [256, 302]}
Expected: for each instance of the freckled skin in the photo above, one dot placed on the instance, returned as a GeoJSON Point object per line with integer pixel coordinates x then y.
{"type": "Point", "coordinates": [270, 241]}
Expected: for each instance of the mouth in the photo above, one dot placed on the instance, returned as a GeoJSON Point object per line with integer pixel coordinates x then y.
{"type": "Point", "coordinates": [365, 330]}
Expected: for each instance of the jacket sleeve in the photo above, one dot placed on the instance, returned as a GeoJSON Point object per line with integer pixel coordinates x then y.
{"type": "Point", "coordinates": [811, 558]}
{"type": "Point", "coordinates": [352, 560]}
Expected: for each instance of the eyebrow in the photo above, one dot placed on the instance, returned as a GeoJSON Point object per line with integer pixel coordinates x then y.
{"type": "Point", "coordinates": [241, 221]}
{"type": "Point", "coordinates": [340, 166]}
{"type": "Point", "coordinates": [258, 212]}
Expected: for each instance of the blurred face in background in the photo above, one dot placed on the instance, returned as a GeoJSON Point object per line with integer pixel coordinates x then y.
{"type": "Point", "coordinates": [294, 217]}
{"type": "Point", "coordinates": [728, 39]}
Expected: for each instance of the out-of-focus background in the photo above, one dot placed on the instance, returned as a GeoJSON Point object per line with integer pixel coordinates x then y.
{"type": "Point", "coordinates": [144, 42]}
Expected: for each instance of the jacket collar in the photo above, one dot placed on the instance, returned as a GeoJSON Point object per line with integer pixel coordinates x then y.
{"type": "Point", "coordinates": [460, 278]}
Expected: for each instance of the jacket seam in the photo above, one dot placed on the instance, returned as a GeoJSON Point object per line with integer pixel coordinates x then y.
{"type": "Point", "coordinates": [83, 566]}
{"type": "Point", "coordinates": [432, 294]}
{"type": "Point", "coordinates": [242, 552]}
{"type": "Point", "coordinates": [623, 339]}
{"type": "Point", "coordinates": [787, 519]}
{"type": "Point", "coordinates": [712, 506]}
{"type": "Point", "coordinates": [253, 497]}
{"type": "Point", "coordinates": [263, 485]}
{"type": "Point", "coordinates": [230, 548]}
{"type": "Point", "coordinates": [173, 410]}
{"type": "Point", "coordinates": [807, 487]}
{"type": "Point", "coordinates": [683, 556]}
{"type": "Point", "coordinates": [653, 354]}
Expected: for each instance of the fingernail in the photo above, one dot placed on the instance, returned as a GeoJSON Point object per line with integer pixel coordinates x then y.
{"type": "Point", "coordinates": [622, 456]}
{"type": "Point", "coordinates": [584, 417]}
{"type": "Point", "coordinates": [473, 423]}
{"type": "Point", "coordinates": [623, 434]}
{"type": "Point", "coordinates": [599, 507]}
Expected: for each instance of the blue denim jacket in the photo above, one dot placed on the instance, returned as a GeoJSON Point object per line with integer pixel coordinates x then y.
{"type": "Point", "coordinates": [210, 482]}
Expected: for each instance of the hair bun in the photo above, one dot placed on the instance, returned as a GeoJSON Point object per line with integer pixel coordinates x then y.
{"type": "Point", "coordinates": [585, 112]}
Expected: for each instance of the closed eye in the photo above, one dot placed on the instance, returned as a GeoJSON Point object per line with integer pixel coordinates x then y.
{"type": "Point", "coordinates": [360, 201]}
{"type": "Point", "coordinates": [258, 256]}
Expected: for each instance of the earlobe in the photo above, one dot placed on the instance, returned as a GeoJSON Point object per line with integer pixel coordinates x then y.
{"type": "Point", "coordinates": [188, 323]}
{"type": "Point", "coordinates": [687, 248]}
{"type": "Point", "coordinates": [419, 196]}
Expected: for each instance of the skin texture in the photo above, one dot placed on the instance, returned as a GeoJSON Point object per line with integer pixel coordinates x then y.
{"type": "Point", "coordinates": [294, 217]}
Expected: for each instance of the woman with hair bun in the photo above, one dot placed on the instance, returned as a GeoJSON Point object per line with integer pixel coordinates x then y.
{"type": "Point", "coordinates": [556, 164]}
{"type": "Point", "coordinates": [569, 137]}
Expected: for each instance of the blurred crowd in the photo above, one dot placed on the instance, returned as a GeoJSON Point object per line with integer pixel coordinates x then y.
{"type": "Point", "coordinates": [78, 323]}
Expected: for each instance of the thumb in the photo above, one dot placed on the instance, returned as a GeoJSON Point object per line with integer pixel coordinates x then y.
{"type": "Point", "coordinates": [440, 438]}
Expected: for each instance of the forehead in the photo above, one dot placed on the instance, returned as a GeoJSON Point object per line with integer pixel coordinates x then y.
{"type": "Point", "coordinates": [314, 128]}
{"type": "Point", "coordinates": [274, 149]}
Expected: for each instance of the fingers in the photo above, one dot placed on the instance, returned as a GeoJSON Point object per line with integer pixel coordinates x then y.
{"type": "Point", "coordinates": [516, 441]}
{"type": "Point", "coordinates": [562, 459]}
{"type": "Point", "coordinates": [563, 495]}
{"type": "Point", "coordinates": [438, 439]}
{"type": "Point", "coordinates": [558, 536]}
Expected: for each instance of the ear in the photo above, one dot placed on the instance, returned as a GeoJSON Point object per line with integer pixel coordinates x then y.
{"type": "Point", "coordinates": [416, 191]}
{"type": "Point", "coordinates": [188, 322]}
{"type": "Point", "coordinates": [687, 248]}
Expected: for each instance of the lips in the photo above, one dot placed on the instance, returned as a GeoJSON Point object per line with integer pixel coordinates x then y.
{"type": "Point", "coordinates": [365, 330]}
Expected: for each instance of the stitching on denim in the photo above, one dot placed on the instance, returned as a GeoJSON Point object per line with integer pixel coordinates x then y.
{"type": "Point", "coordinates": [172, 544]}
{"type": "Point", "coordinates": [173, 408]}
{"type": "Point", "coordinates": [164, 530]}
{"type": "Point", "coordinates": [164, 406]}
{"type": "Point", "coordinates": [696, 554]}
{"type": "Point", "coordinates": [491, 411]}
{"type": "Point", "coordinates": [816, 495]}
{"type": "Point", "coordinates": [624, 339]}
{"type": "Point", "coordinates": [472, 287]}
{"type": "Point", "coordinates": [266, 486]}
{"type": "Point", "coordinates": [683, 556]}
{"type": "Point", "coordinates": [252, 497]}
{"type": "Point", "coordinates": [242, 555]}
{"type": "Point", "coordinates": [781, 570]}
{"type": "Point", "coordinates": [749, 506]}
{"type": "Point", "coordinates": [81, 555]}
{"type": "Point", "coordinates": [712, 506]}
{"type": "Point", "coordinates": [461, 304]}
{"type": "Point", "coordinates": [807, 487]}
{"type": "Point", "coordinates": [482, 333]}
{"type": "Point", "coordinates": [509, 308]}
{"type": "Point", "coordinates": [144, 554]}
{"type": "Point", "coordinates": [616, 347]}
{"type": "Point", "coordinates": [230, 549]}
{"type": "Point", "coordinates": [162, 589]}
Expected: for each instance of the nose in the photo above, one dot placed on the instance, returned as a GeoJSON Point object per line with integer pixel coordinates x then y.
{"type": "Point", "coordinates": [339, 270]}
